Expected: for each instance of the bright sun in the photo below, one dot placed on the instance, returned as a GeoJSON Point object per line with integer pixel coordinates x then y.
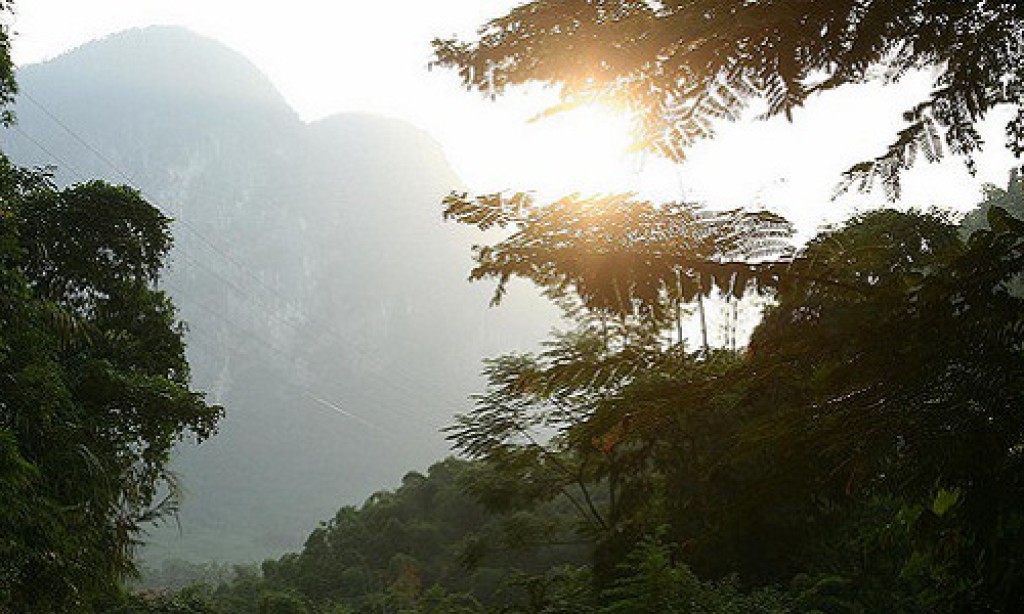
{"type": "Point", "coordinates": [583, 150]}
{"type": "Point", "coordinates": [586, 150]}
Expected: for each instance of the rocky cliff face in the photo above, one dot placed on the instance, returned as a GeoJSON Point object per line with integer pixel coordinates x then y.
{"type": "Point", "coordinates": [326, 303]}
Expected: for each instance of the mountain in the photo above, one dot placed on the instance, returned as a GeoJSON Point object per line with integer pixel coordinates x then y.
{"type": "Point", "coordinates": [326, 303]}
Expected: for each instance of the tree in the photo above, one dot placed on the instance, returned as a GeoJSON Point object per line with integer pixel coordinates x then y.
{"type": "Point", "coordinates": [93, 388]}
{"type": "Point", "coordinates": [846, 414]}
{"type": "Point", "coordinates": [94, 385]}
{"type": "Point", "coordinates": [876, 417]}
{"type": "Point", "coordinates": [623, 269]}
{"type": "Point", "coordinates": [622, 259]}
{"type": "Point", "coordinates": [1011, 199]}
{"type": "Point", "coordinates": [654, 582]}
{"type": "Point", "coordinates": [868, 437]}
{"type": "Point", "coordinates": [681, 65]}
{"type": "Point", "coordinates": [907, 388]}
{"type": "Point", "coordinates": [8, 87]}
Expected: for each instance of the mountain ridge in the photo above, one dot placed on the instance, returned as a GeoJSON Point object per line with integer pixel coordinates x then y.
{"type": "Point", "coordinates": [326, 301]}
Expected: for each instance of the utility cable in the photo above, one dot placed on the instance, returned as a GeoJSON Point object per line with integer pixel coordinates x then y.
{"type": "Point", "coordinates": [407, 378]}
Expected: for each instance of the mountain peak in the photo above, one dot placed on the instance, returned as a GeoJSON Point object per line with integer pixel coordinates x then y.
{"type": "Point", "coordinates": [170, 61]}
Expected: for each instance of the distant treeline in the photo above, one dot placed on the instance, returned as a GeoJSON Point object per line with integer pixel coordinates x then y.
{"type": "Point", "coordinates": [861, 454]}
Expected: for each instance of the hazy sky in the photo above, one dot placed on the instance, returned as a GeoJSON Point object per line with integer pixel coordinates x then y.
{"type": "Point", "coordinates": [329, 57]}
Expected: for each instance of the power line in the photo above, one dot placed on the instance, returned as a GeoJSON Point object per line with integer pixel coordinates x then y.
{"type": "Point", "coordinates": [225, 255]}
{"type": "Point", "coordinates": [284, 379]}
{"type": "Point", "coordinates": [274, 314]}
{"type": "Point", "coordinates": [280, 353]}
{"type": "Point", "coordinates": [128, 179]}
{"type": "Point", "coordinates": [407, 378]}
{"type": "Point", "coordinates": [251, 333]}
{"type": "Point", "coordinates": [43, 148]}
{"type": "Point", "coordinates": [273, 348]}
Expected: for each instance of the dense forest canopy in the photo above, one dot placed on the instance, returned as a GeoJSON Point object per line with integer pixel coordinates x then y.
{"type": "Point", "coordinates": [94, 385]}
{"type": "Point", "coordinates": [849, 440]}
{"type": "Point", "coordinates": [684, 65]}
{"type": "Point", "coordinates": [863, 453]}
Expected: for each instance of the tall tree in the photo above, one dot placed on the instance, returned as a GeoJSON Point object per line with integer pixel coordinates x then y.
{"type": "Point", "coordinates": [93, 388]}
{"type": "Point", "coordinates": [623, 269]}
{"type": "Point", "coordinates": [8, 87]}
{"type": "Point", "coordinates": [683, 64]}
{"type": "Point", "coordinates": [796, 455]}
{"type": "Point", "coordinates": [94, 385]}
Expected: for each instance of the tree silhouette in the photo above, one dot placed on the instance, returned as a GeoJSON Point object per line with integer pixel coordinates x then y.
{"type": "Point", "coordinates": [683, 64]}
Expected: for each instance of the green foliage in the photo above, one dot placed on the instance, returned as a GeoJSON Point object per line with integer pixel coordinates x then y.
{"type": "Point", "coordinates": [898, 411]}
{"type": "Point", "coordinates": [559, 590]}
{"type": "Point", "coordinates": [8, 86]}
{"type": "Point", "coordinates": [682, 66]}
{"type": "Point", "coordinates": [619, 256]}
{"type": "Point", "coordinates": [94, 388]}
{"type": "Point", "coordinates": [437, 601]}
{"type": "Point", "coordinates": [425, 547]}
{"type": "Point", "coordinates": [899, 383]}
{"type": "Point", "coordinates": [866, 441]}
{"type": "Point", "coordinates": [281, 603]}
{"type": "Point", "coordinates": [652, 582]}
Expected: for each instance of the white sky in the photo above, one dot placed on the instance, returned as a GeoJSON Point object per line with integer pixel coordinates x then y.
{"type": "Point", "coordinates": [338, 56]}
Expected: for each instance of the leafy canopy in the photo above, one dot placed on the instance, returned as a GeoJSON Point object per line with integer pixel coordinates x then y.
{"type": "Point", "coordinates": [94, 384]}
{"type": "Point", "coordinates": [8, 87]}
{"type": "Point", "coordinates": [870, 429]}
{"type": "Point", "coordinates": [683, 64]}
{"type": "Point", "coordinates": [93, 388]}
{"type": "Point", "coordinates": [620, 256]}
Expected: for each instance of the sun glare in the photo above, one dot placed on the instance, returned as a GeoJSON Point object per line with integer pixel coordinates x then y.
{"type": "Point", "coordinates": [583, 150]}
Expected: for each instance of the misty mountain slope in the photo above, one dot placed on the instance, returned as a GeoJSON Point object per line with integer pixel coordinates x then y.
{"type": "Point", "coordinates": [326, 302]}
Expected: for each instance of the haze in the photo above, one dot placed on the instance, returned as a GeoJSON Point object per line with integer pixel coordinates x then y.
{"type": "Point", "coordinates": [291, 324]}
{"type": "Point", "coordinates": [329, 57]}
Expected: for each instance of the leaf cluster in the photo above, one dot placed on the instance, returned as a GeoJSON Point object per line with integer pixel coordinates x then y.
{"type": "Point", "coordinates": [618, 256]}
{"type": "Point", "coordinates": [683, 65]}
{"type": "Point", "coordinates": [93, 388]}
{"type": "Point", "coordinates": [868, 434]}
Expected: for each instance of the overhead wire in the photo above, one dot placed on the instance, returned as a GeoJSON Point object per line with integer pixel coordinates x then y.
{"type": "Point", "coordinates": [399, 384]}
{"type": "Point", "coordinates": [179, 292]}
{"type": "Point", "coordinates": [280, 353]}
{"type": "Point", "coordinates": [302, 389]}
{"type": "Point", "coordinates": [215, 313]}
{"type": "Point", "coordinates": [407, 378]}
{"type": "Point", "coordinates": [74, 171]}
{"type": "Point", "coordinates": [284, 377]}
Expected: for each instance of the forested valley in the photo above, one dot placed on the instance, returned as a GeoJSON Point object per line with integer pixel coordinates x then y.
{"type": "Point", "coordinates": [794, 475]}
{"type": "Point", "coordinates": [861, 449]}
